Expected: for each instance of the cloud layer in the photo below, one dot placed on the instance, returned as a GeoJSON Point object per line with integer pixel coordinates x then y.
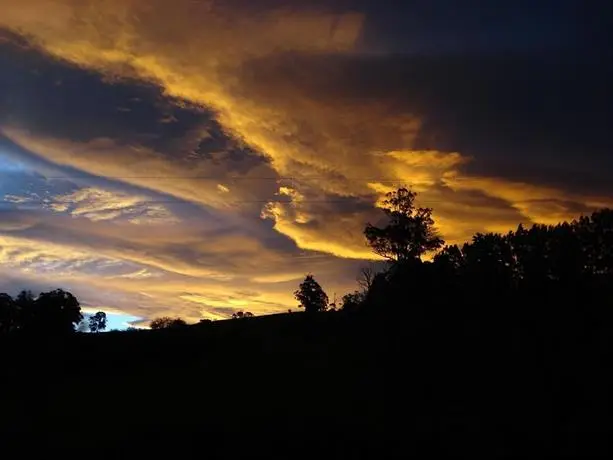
{"type": "Point", "coordinates": [256, 139]}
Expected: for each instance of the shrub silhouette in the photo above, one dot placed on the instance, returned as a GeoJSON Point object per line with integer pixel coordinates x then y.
{"type": "Point", "coordinates": [242, 314]}
{"type": "Point", "coordinates": [166, 322]}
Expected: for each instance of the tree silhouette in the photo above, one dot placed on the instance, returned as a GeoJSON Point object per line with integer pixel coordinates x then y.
{"type": "Point", "coordinates": [450, 257]}
{"type": "Point", "coordinates": [366, 277]}
{"type": "Point", "coordinates": [332, 305]}
{"type": "Point", "coordinates": [491, 263]}
{"type": "Point", "coordinates": [24, 298]}
{"type": "Point", "coordinates": [242, 314]}
{"type": "Point", "coordinates": [353, 300]}
{"type": "Point", "coordinates": [166, 322]}
{"type": "Point", "coordinates": [55, 312]}
{"type": "Point", "coordinates": [97, 322]}
{"type": "Point", "coordinates": [24, 303]}
{"type": "Point", "coordinates": [9, 314]}
{"type": "Point", "coordinates": [410, 232]}
{"type": "Point", "coordinates": [311, 296]}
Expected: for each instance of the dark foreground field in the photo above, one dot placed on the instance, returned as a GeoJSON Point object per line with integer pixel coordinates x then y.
{"type": "Point", "coordinates": [294, 386]}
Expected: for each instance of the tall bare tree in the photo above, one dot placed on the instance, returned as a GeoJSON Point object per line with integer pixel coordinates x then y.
{"type": "Point", "coordinates": [366, 277]}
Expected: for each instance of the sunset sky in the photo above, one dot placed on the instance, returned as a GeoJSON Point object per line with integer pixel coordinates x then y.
{"type": "Point", "coordinates": [197, 157]}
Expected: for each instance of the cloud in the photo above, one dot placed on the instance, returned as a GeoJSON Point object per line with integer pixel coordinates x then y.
{"type": "Point", "coordinates": [287, 91]}
{"type": "Point", "coordinates": [322, 223]}
{"type": "Point", "coordinates": [155, 42]}
{"type": "Point", "coordinates": [536, 203]}
{"type": "Point", "coordinates": [97, 204]}
{"type": "Point", "coordinates": [113, 262]}
{"type": "Point", "coordinates": [271, 139]}
{"type": "Point", "coordinates": [102, 277]}
{"type": "Point", "coordinates": [187, 180]}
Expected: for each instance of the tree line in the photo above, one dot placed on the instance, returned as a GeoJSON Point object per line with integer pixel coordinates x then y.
{"type": "Point", "coordinates": [56, 312]}
{"type": "Point", "coordinates": [570, 263]}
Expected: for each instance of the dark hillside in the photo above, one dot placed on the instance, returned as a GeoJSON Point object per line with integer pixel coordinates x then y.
{"type": "Point", "coordinates": [330, 383]}
{"type": "Point", "coordinates": [286, 377]}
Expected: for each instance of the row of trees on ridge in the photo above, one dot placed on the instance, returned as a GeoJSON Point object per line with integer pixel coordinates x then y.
{"type": "Point", "coordinates": [56, 312]}
{"type": "Point", "coordinates": [557, 262]}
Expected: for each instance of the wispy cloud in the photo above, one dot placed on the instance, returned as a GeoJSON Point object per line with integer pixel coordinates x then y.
{"type": "Point", "coordinates": [96, 205]}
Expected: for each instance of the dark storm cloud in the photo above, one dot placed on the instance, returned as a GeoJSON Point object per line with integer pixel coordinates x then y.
{"type": "Point", "coordinates": [54, 97]}
{"type": "Point", "coordinates": [60, 100]}
{"type": "Point", "coordinates": [528, 117]}
{"type": "Point", "coordinates": [461, 26]}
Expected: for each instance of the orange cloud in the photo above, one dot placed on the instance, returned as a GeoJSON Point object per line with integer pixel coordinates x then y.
{"type": "Point", "coordinates": [540, 204]}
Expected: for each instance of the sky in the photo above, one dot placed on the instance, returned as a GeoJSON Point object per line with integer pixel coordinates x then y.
{"type": "Point", "coordinates": [115, 320]}
{"type": "Point", "coordinates": [194, 158]}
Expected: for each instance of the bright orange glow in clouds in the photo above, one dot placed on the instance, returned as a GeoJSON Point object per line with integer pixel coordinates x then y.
{"type": "Point", "coordinates": [336, 147]}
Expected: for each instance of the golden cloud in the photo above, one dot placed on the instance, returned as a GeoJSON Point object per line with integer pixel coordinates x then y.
{"type": "Point", "coordinates": [339, 145]}
{"type": "Point", "coordinates": [120, 279]}
{"type": "Point", "coordinates": [536, 203]}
